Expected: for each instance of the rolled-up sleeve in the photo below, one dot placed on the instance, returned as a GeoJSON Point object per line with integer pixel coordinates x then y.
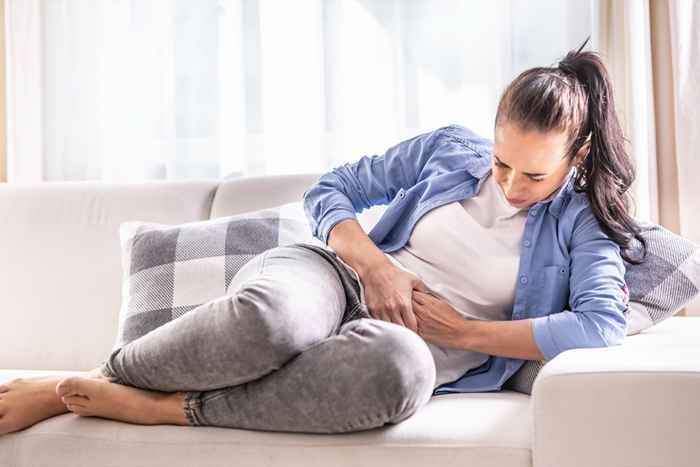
{"type": "Point", "coordinates": [372, 180]}
{"type": "Point", "coordinates": [597, 294]}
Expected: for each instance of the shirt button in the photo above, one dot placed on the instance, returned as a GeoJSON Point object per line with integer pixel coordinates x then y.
{"type": "Point", "coordinates": [533, 212]}
{"type": "Point", "coordinates": [523, 279]}
{"type": "Point", "coordinates": [526, 243]}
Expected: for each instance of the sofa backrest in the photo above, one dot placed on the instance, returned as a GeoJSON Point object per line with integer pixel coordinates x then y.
{"type": "Point", "coordinates": [239, 195]}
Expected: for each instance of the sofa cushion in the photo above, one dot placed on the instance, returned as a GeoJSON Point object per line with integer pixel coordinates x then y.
{"type": "Point", "coordinates": [662, 285]}
{"type": "Point", "coordinates": [460, 430]}
{"type": "Point", "coordinates": [167, 270]}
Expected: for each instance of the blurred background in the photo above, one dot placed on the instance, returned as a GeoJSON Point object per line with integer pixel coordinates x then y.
{"type": "Point", "coordinates": [133, 90]}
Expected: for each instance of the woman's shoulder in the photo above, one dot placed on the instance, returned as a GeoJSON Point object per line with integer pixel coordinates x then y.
{"type": "Point", "coordinates": [458, 150]}
{"type": "Point", "coordinates": [479, 145]}
{"type": "Point", "coordinates": [579, 218]}
{"type": "Point", "coordinates": [577, 204]}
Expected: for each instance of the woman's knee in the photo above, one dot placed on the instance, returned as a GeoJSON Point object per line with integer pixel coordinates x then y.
{"type": "Point", "coordinates": [403, 365]}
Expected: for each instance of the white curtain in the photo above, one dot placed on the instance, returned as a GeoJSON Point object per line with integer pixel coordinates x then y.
{"type": "Point", "coordinates": [652, 49]}
{"type": "Point", "coordinates": [121, 90]}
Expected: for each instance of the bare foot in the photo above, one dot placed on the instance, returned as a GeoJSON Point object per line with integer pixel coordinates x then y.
{"type": "Point", "coordinates": [97, 396]}
{"type": "Point", "coordinates": [26, 401]}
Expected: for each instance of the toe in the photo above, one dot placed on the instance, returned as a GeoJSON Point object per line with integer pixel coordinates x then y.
{"type": "Point", "coordinates": [78, 409]}
{"type": "Point", "coordinates": [70, 387]}
{"type": "Point", "coordinates": [81, 401]}
{"type": "Point", "coordinates": [64, 387]}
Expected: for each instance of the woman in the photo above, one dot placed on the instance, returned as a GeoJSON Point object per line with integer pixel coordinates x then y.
{"type": "Point", "coordinates": [488, 255]}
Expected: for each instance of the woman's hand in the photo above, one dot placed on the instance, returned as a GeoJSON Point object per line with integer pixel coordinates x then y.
{"type": "Point", "coordinates": [388, 291]}
{"type": "Point", "coordinates": [438, 322]}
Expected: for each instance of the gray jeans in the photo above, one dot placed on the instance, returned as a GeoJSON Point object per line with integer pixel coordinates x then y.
{"type": "Point", "coordinates": [290, 349]}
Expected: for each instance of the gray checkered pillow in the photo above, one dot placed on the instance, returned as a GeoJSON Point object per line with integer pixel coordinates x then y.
{"type": "Point", "coordinates": [170, 269]}
{"type": "Point", "coordinates": [667, 281]}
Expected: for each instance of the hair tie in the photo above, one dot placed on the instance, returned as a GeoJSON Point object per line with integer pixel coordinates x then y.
{"type": "Point", "coordinates": [567, 68]}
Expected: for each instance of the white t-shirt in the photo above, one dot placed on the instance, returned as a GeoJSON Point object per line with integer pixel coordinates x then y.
{"type": "Point", "coordinates": [466, 252]}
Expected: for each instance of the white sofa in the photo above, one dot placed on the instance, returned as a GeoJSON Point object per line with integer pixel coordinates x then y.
{"type": "Point", "coordinates": [637, 404]}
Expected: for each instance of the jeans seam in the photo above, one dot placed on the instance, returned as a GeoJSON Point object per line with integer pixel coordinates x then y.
{"type": "Point", "coordinates": [213, 397]}
{"type": "Point", "coordinates": [341, 318]}
{"type": "Point", "coordinates": [260, 257]}
{"type": "Point", "coordinates": [195, 400]}
{"type": "Point", "coordinates": [262, 261]}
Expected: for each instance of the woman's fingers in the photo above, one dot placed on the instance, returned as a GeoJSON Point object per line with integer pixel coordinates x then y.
{"type": "Point", "coordinates": [410, 319]}
{"type": "Point", "coordinates": [418, 297]}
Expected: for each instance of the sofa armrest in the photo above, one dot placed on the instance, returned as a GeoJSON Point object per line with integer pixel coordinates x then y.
{"type": "Point", "coordinates": [635, 404]}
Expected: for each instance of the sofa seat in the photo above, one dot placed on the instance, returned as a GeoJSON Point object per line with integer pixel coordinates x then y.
{"type": "Point", "coordinates": [465, 430]}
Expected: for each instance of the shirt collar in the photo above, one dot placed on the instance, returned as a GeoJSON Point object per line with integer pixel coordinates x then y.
{"type": "Point", "coordinates": [556, 199]}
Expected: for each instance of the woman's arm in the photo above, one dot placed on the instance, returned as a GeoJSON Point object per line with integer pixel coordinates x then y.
{"type": "Point", "coordinates": [441, 324]}
{"type": "Point", "coordinates": [597, 297]}
{"type": "Point", "coordinates": [375, 180]}
{"type": "Point", "coordinates": [349, 240]}
{"type": "Point", "coordinates": [512, 339]}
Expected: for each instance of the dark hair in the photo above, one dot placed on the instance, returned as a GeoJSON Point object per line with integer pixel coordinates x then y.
{"type": "Point", "coordinates": [576, 97]}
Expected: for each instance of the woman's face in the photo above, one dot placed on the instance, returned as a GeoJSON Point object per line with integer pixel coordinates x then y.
{"type": "Point", "coordinates": [529, 166]}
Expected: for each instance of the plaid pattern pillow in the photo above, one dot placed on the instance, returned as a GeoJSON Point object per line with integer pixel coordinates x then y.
{"type": "Point", "coordinates": [667, 281]}
{"type": "Point", "coordinates": [170, 269]}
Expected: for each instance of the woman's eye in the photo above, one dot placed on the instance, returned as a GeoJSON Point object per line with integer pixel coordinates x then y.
{"type": "Point", "coordinates": [533, 179]}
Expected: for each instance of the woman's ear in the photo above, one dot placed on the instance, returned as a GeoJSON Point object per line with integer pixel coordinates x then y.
{"type": "Point", "coordinates": [582, 153]}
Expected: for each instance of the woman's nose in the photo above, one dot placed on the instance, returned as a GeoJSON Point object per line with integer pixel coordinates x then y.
{"type": "Point", "coordinates": [511, 189]}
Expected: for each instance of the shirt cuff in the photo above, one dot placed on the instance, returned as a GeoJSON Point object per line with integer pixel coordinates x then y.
{"type": "Point", "coordinates": [330, 220]}
{"type": "Point", "coordinates": [543, 337]}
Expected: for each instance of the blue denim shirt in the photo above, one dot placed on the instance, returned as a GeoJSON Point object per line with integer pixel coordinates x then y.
{"type": "Point", "coordinates": [571, 275]}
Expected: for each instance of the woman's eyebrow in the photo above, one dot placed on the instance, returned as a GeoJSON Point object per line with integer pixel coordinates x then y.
{"type": "Point", "coordinates": [526, 173]}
